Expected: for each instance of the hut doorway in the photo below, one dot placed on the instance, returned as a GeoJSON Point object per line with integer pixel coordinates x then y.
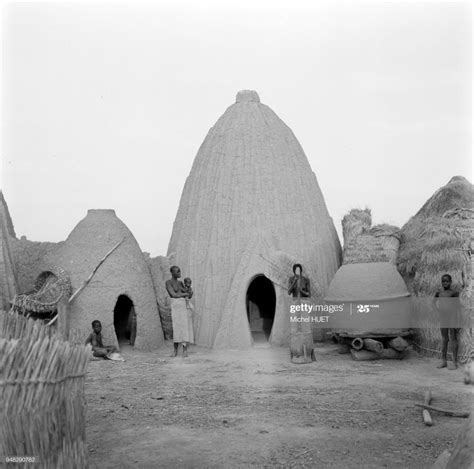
{"type": "Point", "coordinates": [125, 320]}
{"type": "Point", "coordinates": [261, 301]}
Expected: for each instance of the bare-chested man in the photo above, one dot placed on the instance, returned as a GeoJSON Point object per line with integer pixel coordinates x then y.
{"type": "Point", "coordinates": [448, 306]}
{"type": "Point", "coordinates": [180, 314]}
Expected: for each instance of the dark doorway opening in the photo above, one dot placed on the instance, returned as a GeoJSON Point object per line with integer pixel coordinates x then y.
{"type": "Point", "coordinates": [261, 301]}
{"type": "Point", "coordinates": [125, 320]}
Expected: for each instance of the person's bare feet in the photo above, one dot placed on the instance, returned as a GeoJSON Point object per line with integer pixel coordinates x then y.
{"type": "Point", "coordinates": [453, 366]}
{"type": "Point", "coordinates": [442, 364]}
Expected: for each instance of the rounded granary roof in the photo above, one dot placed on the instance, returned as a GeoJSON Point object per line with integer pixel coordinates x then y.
{"type": "Point", "coordinates": [366, 282]}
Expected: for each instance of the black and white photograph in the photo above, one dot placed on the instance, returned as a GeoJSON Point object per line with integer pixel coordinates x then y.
{"type": "Point", "coordinates": [236, 234]}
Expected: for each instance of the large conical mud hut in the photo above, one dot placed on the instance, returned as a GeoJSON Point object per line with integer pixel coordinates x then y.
{"type": "Point", "coordinates": [121, 293]}
{"type": "Point", "coordinates": [8, 277]}
{"type": "Point", "coordinates": [250, 208]}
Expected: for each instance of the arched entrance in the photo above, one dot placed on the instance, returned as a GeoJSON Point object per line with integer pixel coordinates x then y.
{"type": "Point", "coordinates": [261, 301]}
{"type": "Point", "coordinates": [125, 320]}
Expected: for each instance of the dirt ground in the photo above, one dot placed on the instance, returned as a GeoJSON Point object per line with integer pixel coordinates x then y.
{"type": "Point", "coordinates": [257, 409]}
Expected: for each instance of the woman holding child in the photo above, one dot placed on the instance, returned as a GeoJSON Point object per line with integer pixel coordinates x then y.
{"type": "Point", "coordinates": [181, 310]}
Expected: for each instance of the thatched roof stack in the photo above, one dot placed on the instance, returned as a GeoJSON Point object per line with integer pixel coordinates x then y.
{"type": "Point", "coordinates": [457, 193]}
{"type": "Point", "coordinates": [160, 272]}
{"type": "Point", "coordinates": [438, 239]}
{"type": "Point", "coordinates": [366, 243]}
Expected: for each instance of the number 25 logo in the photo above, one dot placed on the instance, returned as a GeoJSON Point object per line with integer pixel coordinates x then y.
{"type": "Point", "coordinates": [362, 308]}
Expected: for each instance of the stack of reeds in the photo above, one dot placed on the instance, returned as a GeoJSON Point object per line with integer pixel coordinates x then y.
{"type": "Point", "coordinates": [355, 223]}
{"type": "Point", "coordinates": [366, 243]}
{"type": "Point", "coordinates": [160, 272]}
{"type": "Point", "coordinates": [42, 409]}
{"type": "Point", "coordinates": [165, 316]}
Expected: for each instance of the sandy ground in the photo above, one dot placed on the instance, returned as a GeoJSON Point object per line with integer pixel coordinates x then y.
{"type": "Point", "coordinates": [257, 409]}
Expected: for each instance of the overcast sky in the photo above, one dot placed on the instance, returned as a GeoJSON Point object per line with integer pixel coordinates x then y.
{"type": "Point", "coordinates": [105, 105]}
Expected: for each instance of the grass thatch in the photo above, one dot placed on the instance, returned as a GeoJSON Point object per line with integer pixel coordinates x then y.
{"type": "Point", "coordinates": [42, 393]}
{"type": "Point", "coordinates": [430, 247]}
{"type": "Point", "coordinates": [363, 243]}
{"type": "Point", "coordinates": [355, 223]}
{"type": "Point", "coordinates": [458, 193]}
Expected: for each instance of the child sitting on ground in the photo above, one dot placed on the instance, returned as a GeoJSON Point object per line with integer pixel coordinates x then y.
{"type": "Point", "coordinates": [95, 339]}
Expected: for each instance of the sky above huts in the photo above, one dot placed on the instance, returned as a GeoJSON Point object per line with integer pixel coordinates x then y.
{"type": "Point", "coordinates": [105, 105]}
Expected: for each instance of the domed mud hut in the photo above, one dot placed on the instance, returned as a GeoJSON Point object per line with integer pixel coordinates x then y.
{"type": "Point", "coordinates": [250, 207]}
{"type": "Point", "coordinates": [121, 293]}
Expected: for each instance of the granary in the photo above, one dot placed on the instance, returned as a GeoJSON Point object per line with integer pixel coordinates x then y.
{"type": "Point", "coordinates": [371, 296]}
{"type": "Point", "coordinates": [120, 294]}
{"type": "Point", "coordinates": [439, 239]}
{"type": "Point", "coordinates": [8, 275]}
{"type": "Point", "coordinates": [250, 208]}
{"type": "Point", "coordinates": [375, 298]}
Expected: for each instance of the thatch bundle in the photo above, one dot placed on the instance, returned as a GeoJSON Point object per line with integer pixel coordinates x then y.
{"type": "Point", "coordinates": [432, 247]}
{"type": "Point", "coordinates": [160, 272]}
{"type": "Point", "coordinates": [355, 223]}
{"type": "Point", "coordinates": [434, 243]}
{"type": "Point", "coordinates": [364, 243]}
{"type": "Point", "coordinates": [42, 409]}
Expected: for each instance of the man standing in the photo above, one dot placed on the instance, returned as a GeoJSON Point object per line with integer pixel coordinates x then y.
{"type": "Point", "coordinates": [448, 306]}
{"type": "Point", "coordinates": [180, 314]}
{"type": "Point", "coordinates": [299, 286]}
{"type": "Point", "coordinates": [301, 334]}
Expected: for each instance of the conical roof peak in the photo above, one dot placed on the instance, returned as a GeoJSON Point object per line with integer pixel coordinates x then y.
{"type": "Point", "coordinates": [247, 96]}
{"type": "Point", "coordinates": [458, 179]}
{"type": "Point", "coordinates": [101, 211]}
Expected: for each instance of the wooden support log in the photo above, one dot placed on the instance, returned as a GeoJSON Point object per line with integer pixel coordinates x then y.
{"type": "Point", "coordinates": [390, 353]}
{"type": "Point", "coordinates": [363, 355]}
{"type": "Point", "coordinates": [398, 344]}
{"type": "Point", "coordinates": [87, 280]}
{"type": "Point", "coordinates": [469, 373]}
{"type": "Point", "coordinates": [373, 345]}
{"type": "Point", "coordinates": [302, 347]}
{"type": "Point", "coordinates": [63, 319]}
{"type": "Point", "coordinates": [357, 343]}
{"type": "Point", "coordinates": [441, 460]}
{"type": "Point", "coordinates": [425, 413]}
{"type": "Point", "coordinates": [463, 452]}
{"type": "Point", "coordinates": [449, 413]}
{"type": "Point", "coordinates": [344, 348]}
{"type": "Point", "coordinates": [96, 268]}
